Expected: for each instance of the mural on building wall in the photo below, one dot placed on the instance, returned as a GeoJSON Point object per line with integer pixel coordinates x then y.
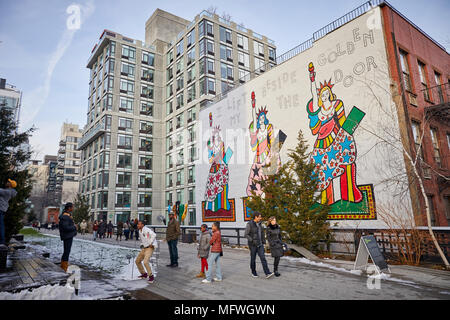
{"type": "Point", "coordinates": [334, 153]}
{"type": "Point", "coordinates": [217, 206]}
{"type": "Point", "coordinates": [267, 152]}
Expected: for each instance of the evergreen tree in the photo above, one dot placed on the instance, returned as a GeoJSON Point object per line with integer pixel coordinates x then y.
{"type": "Point", "coordinates": [12, 161]}
{"type": "Point", "coordinates": [291, 196]}
{"type": "Point", "coordinates": [81, 209]}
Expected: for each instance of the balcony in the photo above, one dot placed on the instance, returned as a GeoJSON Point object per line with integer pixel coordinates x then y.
{"type": "Point", "coordinates": [91, 135]}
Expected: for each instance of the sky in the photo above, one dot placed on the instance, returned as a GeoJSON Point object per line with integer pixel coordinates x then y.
{"type": "Point", "coordinates": [44, 51]}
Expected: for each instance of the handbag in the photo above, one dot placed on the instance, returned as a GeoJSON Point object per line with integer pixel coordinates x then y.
{"type": "Point", "coordinates": [285, 247]}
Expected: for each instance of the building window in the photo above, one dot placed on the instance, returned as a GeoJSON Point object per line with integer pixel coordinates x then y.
{"type": "Point", "coordinates": [244, 75]}
{"type": "Point", "coordinates": [147, 74]}
{"type": "Point", "coordinates": [191, 74]}
{"type": "Point", "coordinates": [169, 74]}
{"type": "Point", "coordinates": [226, 71]}
{"type": "Point", "coordinates": [146, 144]}
{"type": "Point", "coordinates": [207, 86]}
{"type": "Point", "coordinates": [169, 90]}
{"type": "Point", "coordinates": [435, 141]}
{"type": "Point", "coordinates": [226, 53]}
{"type": "Point", "coordinates": [180, 66]}
{"type": "Point", "coordinates": [191, 114]}
{"type": "Point", "coordinates": [225, 35]}
{"type": "Point", "coordinates": [125, 124]}
{"type": "Point", "coordinates": [191, 56]}
{"type": "Point", "coordinates": [125, 141]}
{"type": "Point", "coordinates": [417, 134]}
{"type": "Point", "coordinates": [148, 58]}
{"type": "Point", "coordinates": [147, 108]}
{"type": "Point", "coordinates": [180, 48]}
{"type": "Point", "coordinates": [192, 217]}
{"type": "Point", "coordinates": [145, 199]}
{"type": "Point", "coordinates": [146, 91]}
{"type": "Point", "coordinates": [259, 65]}
{"type": "Point", "coordinates": [128, 53]}
{"type": "Point", "coordinates": [126, 105]}
{"type": "Point", "coordinates": [191, 175]}
{"type": "Point", "coordinates": [272, 54]}
{"type": "Point", "coordinates": [205, 28]}
{"type": "Point", "coordinates": [145, 163]}
{"type": "Point", "coordinates": [423, 80]}
{"type": "Point", "coordinates": [146, 127]}
{"type": "Point", "coordinates": [190, 38]}
{"type": "Point", "coordinates": [191, 93]}
{"type": "Point", "coordinates": [126, 86]}
{"type": "Point", "coordinates": [169, 107]}
{"type": "Point", "coordinates": [123, 180]}
{"type": "Point", "coordinates": [180, 100]}
{"type": "Point", "coordinates": [127, 69]}
{"type": "Point", "coordinates": [225, 86]}
{"type": "Point", "coordinates": [123, 199]}
{"type": "Point", "coordinates": [430, 200]}
{"type": "Point", "coordinates": [242, 42]}
{"type": "Point", "coordinates": [258, 48]}
{"type": "Point", "coordinates": [437, 78]}
{"type": "Point", "coordinates": [170, 57]}
{"type": "Point", "coordinates": [180, 83]}
{"type": "Point", "coordinates": [124, 160]}
{"type": "Point", "coordinates": [145, 181]}
{"type": "Point", "coordinates": [405, 70]}
{"type": "Point", "coordinates": [244, 60]}
{"type": "Point", "coordinates": [191, 195]}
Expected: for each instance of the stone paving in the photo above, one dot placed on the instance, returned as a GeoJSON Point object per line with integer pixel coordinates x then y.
{"type": "Point", "coordinates": [300, 279]}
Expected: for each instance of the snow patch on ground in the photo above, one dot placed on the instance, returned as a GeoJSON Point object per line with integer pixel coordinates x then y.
{"type": "Point", "coordinates": [48, 292]}
{"type": "Point", "coordinates": [324, 265]}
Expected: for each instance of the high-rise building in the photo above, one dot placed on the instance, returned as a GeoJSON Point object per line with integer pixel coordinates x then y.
{"type": "Point", "coordinates": [139, 144]}
{"type": "Point", "coordinates": [38, 196]}
{"type": "Point", "coordinates": [11, 98]}
{"type": "Point", "coordinates": [68, 169]}
{"type": "Point", "coordinates": [52, 188]}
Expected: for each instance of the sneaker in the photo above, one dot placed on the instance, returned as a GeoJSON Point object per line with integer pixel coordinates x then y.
{"type": "Point", "coordinates": [269, 275]}
{"type": "Point", "coordinates": [254, 275]}
{"type": "Point", "coordinates": [206, 281]}
{"type": "Point", "coordinates": [143, 276]}
{"type": "Point", "coordinates": [277, 274]}
{"type": "Point", "coordinates": [217, 279]}
{"type": "Point", "coordinates": [151, 279]}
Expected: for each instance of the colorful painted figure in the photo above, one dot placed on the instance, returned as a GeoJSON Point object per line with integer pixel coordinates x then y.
{"type": "Point", "coordinates": [261, 140]}
{"type": "Point", "coordinates": [334, 150]}
{"type": "Point", "coordinates": [216, 194]}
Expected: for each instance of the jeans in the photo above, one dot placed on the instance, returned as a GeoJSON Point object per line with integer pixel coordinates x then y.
{"type": "Point", "coordinates": [67, 247]}
{"type": "Point", "coordinates": [131, 234]}
{"type": "Point", "coordinates": [214, 257]}
{"type": "Point", "coordinates": [2, 227]}
{"type": "Point", "coordinates": [95, 235]}
{"type": "Point", "coordinates": [260, 252]}
{"type": "Point", "coordinates": [173, 251]}
{"type": "Point", "coordinates": [126, 234]}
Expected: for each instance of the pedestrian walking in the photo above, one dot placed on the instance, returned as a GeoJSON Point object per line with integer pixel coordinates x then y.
{"type": "Point", "coordinates": [254, 233]}
{"type": "Point", "coordinates": [6, 194]}
{"type": "Point", "coordinates": [203, 249]}
{"type": "Point", "coordinates": [137, 233]}
{"type": "Point", "coordinates": [119, 230]}
{"type": "Point", "coordinates": [216, 253]}
{"type": "Point", "coordinates": [132, 228]}
{"type": "Point", "coordinates": [172, 234]}
{"type": "Point", "coordinates": [148, 245]}
{"type": "Point", "coordinates": [102, 229]}
{"type": "Point", "coordinates": [95, 230]}
{"type": "Point", "coordinates": [67, 231]}
{"type": "Point", "coordinates": [273, 233]}
{"type": "Point", "coordinates": [110, 229]}
{"type": "Point", "coordinates": [126, 230]}
{"type": "Point", "coordinates": [83, 226]}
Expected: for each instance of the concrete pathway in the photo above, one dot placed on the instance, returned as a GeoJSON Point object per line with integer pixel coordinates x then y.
{"type": "Point", "coordinates": [301, 279]}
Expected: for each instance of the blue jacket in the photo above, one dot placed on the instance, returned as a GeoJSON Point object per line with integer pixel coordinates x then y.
{"type": "Point", "coordinates": [5, 196]}
{"type": "Point", "coordinates": [67, 227]}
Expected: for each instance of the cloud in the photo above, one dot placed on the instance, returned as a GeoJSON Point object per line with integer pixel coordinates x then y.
{"type": "Point", "coordinates": [35, 99]}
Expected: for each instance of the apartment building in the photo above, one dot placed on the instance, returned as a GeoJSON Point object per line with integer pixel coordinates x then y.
{"type": "Point", "coordinates": [10, 98]}
{"type": "Point", "coordinates": [69, 160]}
{"type": "Point", "coordinates": [139, 144]}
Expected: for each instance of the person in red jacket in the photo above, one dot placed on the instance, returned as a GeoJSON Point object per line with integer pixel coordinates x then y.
{"type": "Point", "coordinates": [216, 253]}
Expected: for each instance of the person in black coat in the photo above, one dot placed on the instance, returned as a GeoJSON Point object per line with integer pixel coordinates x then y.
{"type": "Point", "coordinates": [67, 231]}
{"type": "Point", "coordinates": [273, 233]}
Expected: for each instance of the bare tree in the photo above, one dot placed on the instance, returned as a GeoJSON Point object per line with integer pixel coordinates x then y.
{"type": "Point", "coordinates": [390, 140]}
{"type": "Point", "coordinates": [212, 9]}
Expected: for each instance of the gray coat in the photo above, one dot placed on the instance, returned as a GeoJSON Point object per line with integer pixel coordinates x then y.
{"type": "Point", "coordinates": [203, 248]}
{"type": "Point", "coordinates": [275, 242]}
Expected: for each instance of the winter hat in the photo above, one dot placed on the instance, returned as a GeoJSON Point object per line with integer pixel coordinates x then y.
{"type": "Point", "coordinates": [13, 183]}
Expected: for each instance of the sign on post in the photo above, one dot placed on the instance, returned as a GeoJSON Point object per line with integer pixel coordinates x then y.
{"type": "Point", "coordinates": [368, 247]}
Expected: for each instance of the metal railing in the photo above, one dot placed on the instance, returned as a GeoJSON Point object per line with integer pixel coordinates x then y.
{"type": "Point", "coordinates": [438, 94]}
{"type": "Point", "coordinates": [339, 245]}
